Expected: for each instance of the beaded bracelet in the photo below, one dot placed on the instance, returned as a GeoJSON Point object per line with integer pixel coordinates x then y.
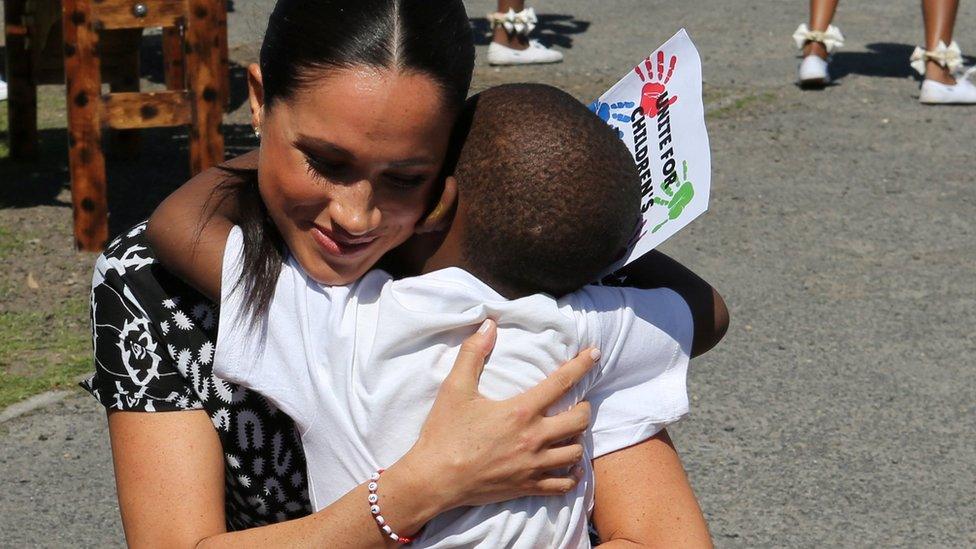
{"type": "Point", "coordinates": [374, 508]}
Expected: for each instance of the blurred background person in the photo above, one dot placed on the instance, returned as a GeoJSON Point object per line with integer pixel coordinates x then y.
{"type": "Point", "coordinates": [511, 25]}
{"type": "Point", "coordinates": [939, 62]}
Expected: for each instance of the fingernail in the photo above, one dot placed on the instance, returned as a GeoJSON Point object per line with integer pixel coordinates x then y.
{"type": "Point", "coordinates": [595, 354]}
{"type": "Point", "coordinates": [485, 326]}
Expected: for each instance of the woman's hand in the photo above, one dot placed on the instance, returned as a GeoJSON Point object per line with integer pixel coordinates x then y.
{"type": "Point", "coordinates": [477, 451]}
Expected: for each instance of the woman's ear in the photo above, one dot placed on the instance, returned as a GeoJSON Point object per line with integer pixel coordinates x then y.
{"type": "Point", "coordinates": [439, 219]}
{"type": "Point", "coordinates": [255, 88]}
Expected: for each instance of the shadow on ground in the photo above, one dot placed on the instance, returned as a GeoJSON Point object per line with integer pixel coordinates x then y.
{"type": "Point", "coordinates": [883, 59]}
{"type": "Point", "coordinates": [553, 29]}
{"type": "Point", "coordinates": [135, 185]}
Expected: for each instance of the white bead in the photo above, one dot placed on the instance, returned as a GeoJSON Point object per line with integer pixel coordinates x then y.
{"type": "Point", "coordinates": [394, 537]}
{"type": "Point", "coordinates": [375, 509]}
{"type": "Point", "coordinates": [387, 529]}
{"type": "Point", "coordinates": [372, 486]}
{"type": "Point", "coordinates": [375, 476]}
{"type": "Point", "coordinates": [373, 498]}
{"type": "Point", "coordinates": [380, 520]}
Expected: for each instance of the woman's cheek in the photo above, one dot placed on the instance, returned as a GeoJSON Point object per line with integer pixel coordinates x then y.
{"type": "Point", "coordinates": [294, 193]}
{"type": "Point", "coordinates": [408, 208]}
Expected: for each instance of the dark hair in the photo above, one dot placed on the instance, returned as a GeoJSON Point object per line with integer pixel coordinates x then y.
{"type": "Point", "coordinates": [306, 38]}
{"type": "Point", "coordinates": [548, 193]}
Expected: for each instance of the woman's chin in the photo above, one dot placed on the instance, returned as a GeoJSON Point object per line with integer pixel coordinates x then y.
{"type": "Point", "coordinates": [324, 274]}
{"type": "Point", "coordinates": [331, 274]}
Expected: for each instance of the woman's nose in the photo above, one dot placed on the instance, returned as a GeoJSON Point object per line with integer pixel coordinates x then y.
{"type": "Point", "coordinates": [353, 208]}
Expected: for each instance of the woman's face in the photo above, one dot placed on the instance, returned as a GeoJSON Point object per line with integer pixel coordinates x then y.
{"type": "Point", "coordinates": [349, 165]}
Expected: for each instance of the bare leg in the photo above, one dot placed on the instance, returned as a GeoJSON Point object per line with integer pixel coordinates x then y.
{"type": "Point", "coordinates": [515, 41]}
{"type": "Point", "coordinates": [821, 14]}
{"type": "Point", "coordinates": [940, 19]}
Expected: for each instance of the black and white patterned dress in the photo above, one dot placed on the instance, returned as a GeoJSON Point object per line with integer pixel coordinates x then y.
{"type": "Point", "coordinates": [154, 342]}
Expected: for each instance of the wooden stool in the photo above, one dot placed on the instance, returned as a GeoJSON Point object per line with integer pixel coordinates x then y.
{"type": "Point", "coordinates": [101, 37]}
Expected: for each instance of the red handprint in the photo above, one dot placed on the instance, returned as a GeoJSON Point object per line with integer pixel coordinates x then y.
{"type": "Point", "coordinates": [656, 82]}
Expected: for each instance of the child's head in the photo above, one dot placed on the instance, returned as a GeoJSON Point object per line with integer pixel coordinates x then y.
{"type": "Point", "coordinates": [548, 196]}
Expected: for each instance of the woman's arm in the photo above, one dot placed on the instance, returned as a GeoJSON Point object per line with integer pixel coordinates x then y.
{"type": "Point", "coordinates": [708, 310]}
{"type": "Point", "coordinates": [170, 477]}
{"type": "Point", "coordinates": [643, 498]}
{"type": "Point", "coordinates": [471, 451]}
{"type": "Point", "coordinates": [189, 229]}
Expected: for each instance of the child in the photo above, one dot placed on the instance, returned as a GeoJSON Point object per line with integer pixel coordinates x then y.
{"type": "Point", "coordinates": [547, 198]}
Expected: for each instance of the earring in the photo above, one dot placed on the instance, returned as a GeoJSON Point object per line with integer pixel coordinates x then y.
{"type": "Point", "coordinates": [257, 132]}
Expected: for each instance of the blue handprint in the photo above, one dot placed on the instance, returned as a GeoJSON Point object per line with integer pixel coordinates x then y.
{"type": "Point", "coordinates": [608, 111]}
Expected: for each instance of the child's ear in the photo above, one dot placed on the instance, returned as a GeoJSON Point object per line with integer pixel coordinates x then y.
{"type": "Point", "coordinates": [439, 219]}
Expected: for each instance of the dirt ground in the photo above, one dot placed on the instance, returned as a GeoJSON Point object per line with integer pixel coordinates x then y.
{"type": "Point", "coordinates": [838, 411]}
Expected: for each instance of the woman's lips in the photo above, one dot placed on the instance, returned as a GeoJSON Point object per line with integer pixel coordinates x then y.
{"type": "Point", "coordinates": [340, 246]}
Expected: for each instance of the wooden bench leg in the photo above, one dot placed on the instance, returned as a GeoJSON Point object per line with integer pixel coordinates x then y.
{"type": "Point", "coordinates": [127, 143]}
{"type": "Point", "coordinates": [173, 69]}
{"type": "Point", "coordinates": [87, 163]}
{"type": "Point", "coordinates": [21, 86]}
{"type": "Point", "coordinates": [203, 74]}
{"type": "Point", "coordinates": [223, 77]}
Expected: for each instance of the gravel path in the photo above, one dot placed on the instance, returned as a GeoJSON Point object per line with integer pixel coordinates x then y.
{"type": "Point", "coordinates": [839, 410]}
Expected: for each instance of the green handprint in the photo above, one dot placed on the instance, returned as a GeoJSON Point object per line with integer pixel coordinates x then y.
{"type": "Point", "coordinates": [677, 200]}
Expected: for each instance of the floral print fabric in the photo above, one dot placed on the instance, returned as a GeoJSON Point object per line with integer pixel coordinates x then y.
{"type": "Point", "coordinates": [153, 339]}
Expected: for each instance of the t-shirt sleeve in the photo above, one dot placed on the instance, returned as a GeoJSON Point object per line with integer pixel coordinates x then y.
{"type": "Point", "coordinates": [259, 353]}
{"type": "Point", "coordinates": [239, 334]}
{"type": "Point", "coordinates": [645, 337]}
{"type": "Point", "coordinates": [150, 331]}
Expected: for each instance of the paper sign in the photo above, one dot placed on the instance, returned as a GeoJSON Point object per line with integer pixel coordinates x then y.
{"type": "Point", "coordinates": [657, 111]}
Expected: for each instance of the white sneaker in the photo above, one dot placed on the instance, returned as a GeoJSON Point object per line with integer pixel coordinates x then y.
{"type": "Point", "coordinates": [963, 92]}
{"type": "Point", "coordinates": [3, 90]}
{"type": "Point", "coordinates": [499, 54]}
{"type": "Point", "coordinates": [813, 72]}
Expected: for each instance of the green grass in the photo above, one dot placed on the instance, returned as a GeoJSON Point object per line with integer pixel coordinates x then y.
{"type": "Point", "coordinates": [40, 351]}
{"type": "Point", "coordinates": [10, 244]}
{"type": "Point", "coordinates": [740, 104]}
{"type": "Point", "coordinates": [4, 148]}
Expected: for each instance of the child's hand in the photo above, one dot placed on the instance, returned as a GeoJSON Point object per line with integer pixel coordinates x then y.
{"type": "Point", "coordinates": [480, 451]}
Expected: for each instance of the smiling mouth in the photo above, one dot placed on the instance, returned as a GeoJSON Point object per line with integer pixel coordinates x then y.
{"type": "Point", "coordinates": [340, 245]}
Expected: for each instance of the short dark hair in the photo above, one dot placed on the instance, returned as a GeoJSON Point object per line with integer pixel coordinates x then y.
{"type": "Point", "coordinates": [548, 193]}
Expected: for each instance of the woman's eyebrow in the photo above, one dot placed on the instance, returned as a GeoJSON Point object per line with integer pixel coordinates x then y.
{"type": "Point", "coordinates": [319, 145]}
{"type": "Point", "coordinates": [419, 161]}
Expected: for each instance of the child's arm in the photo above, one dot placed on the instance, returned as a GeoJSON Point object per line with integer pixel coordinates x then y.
{"type": "Point", "coordinates": [189, 229]}
{"type": "Point", "coordinates": [643, 498]}
{"type": "Point", "coordinates": [708, 310]}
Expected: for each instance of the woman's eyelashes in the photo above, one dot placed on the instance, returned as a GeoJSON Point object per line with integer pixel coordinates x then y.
{"type": "Point", "coordinates": [406, 181]}
{"type": "Point", "coordinates": [342, 171]}
{"type": "Point", "coordinates": [321, 168]}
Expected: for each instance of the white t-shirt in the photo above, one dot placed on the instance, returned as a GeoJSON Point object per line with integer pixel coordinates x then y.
{"type": "Point", "coordinates": [357, 368]}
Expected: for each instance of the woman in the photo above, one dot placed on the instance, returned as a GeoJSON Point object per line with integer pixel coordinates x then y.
{"type": "Point", "coordinates": [355, 102]}
{"type": "Point", "coordinates": [939, 63]}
